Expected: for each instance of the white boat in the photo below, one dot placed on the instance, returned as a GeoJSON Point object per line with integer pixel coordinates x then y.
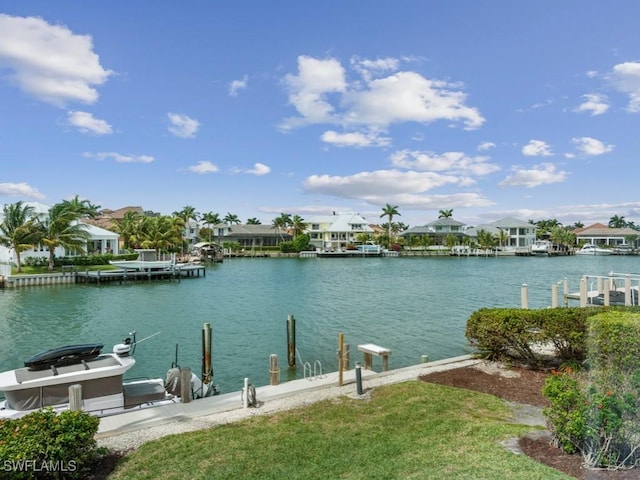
{"type": "Point", "coordinates": [147, 260]}
{"type": "Point", "coordinates": [541, 247]}
{"type": "Point", "coordinates": [46, 378]}
{"type": "Point", "coordinates": [369, 247]}
{"type": "Point", "coordinates": [591, 249]}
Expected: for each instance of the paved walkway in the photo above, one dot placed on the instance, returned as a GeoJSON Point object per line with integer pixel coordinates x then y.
{"type": "Point", "coordinates": [229, 407]}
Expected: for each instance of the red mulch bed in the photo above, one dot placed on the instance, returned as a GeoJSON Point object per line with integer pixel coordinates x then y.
{"type": "Point", "coordinates": [526, 389]}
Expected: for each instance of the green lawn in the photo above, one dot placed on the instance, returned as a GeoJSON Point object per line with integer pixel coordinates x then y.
{"type": "Point", "coordinates": [26, 270]}
{"type": "Point", "coordinates": [408, 430]}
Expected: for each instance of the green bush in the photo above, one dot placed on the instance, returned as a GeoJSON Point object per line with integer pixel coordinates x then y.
{"type": "Point", "coordinates": [596, 411]}
{"type": "Point", "coordinates": [46, 445]}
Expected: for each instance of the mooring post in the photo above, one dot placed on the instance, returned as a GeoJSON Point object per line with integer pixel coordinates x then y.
{"type": "Point", "coordinates": [291, 340]}
{"type": "Point", "coordinates": [340, 357]}
{"type": "Point", "coordinates": [358, 378]}
{"type": "Point", "coordinates": [274, 370]}
{"type": "Point", "coordinates": [627, 291]}
{"type": "Point", "coordinates": [554, 296]}
{"type": "Point", "coordinates": [207, 370]}
{"type": "Point", "coordinates": [606, 295]}
{"type": "Point", "coordinates": [75, 397]}
{"type": "Point", "coordinates": [245, 393]}
{"type": "Point", "coordinates": [185, 385]}
{"type": "Point", "coordinates": [583, 292]}
{"type": "Point", "coordinates": [524, 296]}
{"type": "Point", "coordinates": [347, 360]}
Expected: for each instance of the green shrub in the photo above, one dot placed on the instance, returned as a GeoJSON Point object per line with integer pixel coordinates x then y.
{"type": "Point", "coordinates": [46, 445]}
{"type": "Point", "coordinates": [596, 411]}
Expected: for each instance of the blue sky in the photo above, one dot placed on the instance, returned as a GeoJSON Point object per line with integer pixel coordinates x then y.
{"type": "Point", "coordinates": [489, 108]}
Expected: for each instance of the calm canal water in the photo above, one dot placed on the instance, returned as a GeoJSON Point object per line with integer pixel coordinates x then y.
{"type": "Point", "coordinates": [413, 305]}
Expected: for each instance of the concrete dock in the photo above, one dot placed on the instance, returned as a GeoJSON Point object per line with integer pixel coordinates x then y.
{"type": "Point", "coordinates": [229, 406]}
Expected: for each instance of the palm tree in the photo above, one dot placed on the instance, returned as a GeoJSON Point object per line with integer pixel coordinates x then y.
{"type": "Point", "coordinates": [486, 239]}
{"type": "Point", "coordinates": [62, 229]}
{"type": "Point", "coordinates": [128, 227]}
{"type": "Point", "coordinates": [279, 224]}
{"type": "Point", "coordinates": [617, 222]}
{"type": "Point", "coordinates": [503, 237]}
{"type": "Point", "coordinates": [578, 224]}
{"type": "Point", "coordinates": [231, 219]}
{"type": "Point", "coordinates": [159, 233]}
{"type": "Point", "coordinates": [445, 213]}
{"type": "Point", "coordinates": [297, 225]}
{"type": "Point", "coordinates": [84, 208]}
{"type": "Point", "coordinates": [18, 229]}
{"type": "Point", "coordinates": [389, 211]}
{"type": "Point", "coordinates": [253, 221]}
{"type": "Point", "coordinates": [210, 219]}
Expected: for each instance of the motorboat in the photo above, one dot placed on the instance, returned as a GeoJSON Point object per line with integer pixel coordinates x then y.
{"type": "Point", "coordinates": [369, 247]}
{"type": "Point", "coordinates": [541, 247]}
{"type": "Point", "coordinates": [47, 378]}
{"type": "Point", "coordinates": [591, 249]}
{"type": "Point", "coordinates": [147, 260]}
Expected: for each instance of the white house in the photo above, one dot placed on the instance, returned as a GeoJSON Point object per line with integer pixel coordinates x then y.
{"type": "Point", "coordinates": [100, 240]}
{"type": "Point", "coordinates": [336, 231]}
{"type": "Point", "coordinates": [518, 232]}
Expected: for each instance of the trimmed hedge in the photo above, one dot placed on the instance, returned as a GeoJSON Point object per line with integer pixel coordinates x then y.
{"type": "Point", "coordinates": [46, 445]}
{"type": "Point", "coordinates": [500, 333]}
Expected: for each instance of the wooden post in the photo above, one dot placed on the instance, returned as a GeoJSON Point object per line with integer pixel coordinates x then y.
{"type": "Point", "coordinates": [607, 293]}
{"type": "Point", "coordinates": [274, 370]}
{"type": "Point", "coordinates": [627, 290]}
{"type": "Point", "coordinates": [524, 295]}
{"type": "Point", "coordinates": [245, 396]}
{"type": "Point", "coordinates": [75, 397]}
{"type": "Point", "coordinates": [583, 292]}
{"type": "Point", "coordinates": [554, 296]}
{"type": "Point", "coordinates": [340, 357]}
{"type": "Point", "coordinates": [207, 370]}
{"type": "Point", "coordinates": [291, 341]}
{"type": "Point", "coordinates": [566, 292]}
{"type": "Point", "coordinates": [185, 385]}
{"type": "Point", "coordinates": [346, 359]}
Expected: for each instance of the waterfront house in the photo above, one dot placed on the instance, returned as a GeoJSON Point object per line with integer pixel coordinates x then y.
{"type": "Point", "coordinates": [337, 231]}
{"type": "Point", "coordinates": [100, 240]}
{"type": "Point", "coordinates": [249, 236]}
{"type": "Point", "coordinates": [517, 234]}
{"type": "Point", "coordinates": [437, 231]}
{"type": "Point", "coordinates": [599, 234]}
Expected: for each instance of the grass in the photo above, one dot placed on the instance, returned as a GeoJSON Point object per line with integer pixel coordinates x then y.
{"type": "Point", "coordinates": [412, 430]}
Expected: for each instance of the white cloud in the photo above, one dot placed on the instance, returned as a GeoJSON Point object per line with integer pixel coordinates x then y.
{"type": "Point", "coordinates": [183, 126]}
{"type": "Point", "coordinates": [355, 139]}
{"type": "Point", "coordinates": [259, 169]}
{"type": "Point", "coordinates": [321, 94]}
{"type": "Point", "coordinates": [119, 158]}
{"type": "Point", "coordinates": [542, 174]}
{"type": "Point", "coordinates": [453, 162]}
{"type": "Point", "coordinates": [20, 190]}
{"type": "Point", "coordinates": [594, 103]}
{"type": "Point", "coordinates": [369, 68]}
{"type": "Point", "coordinates": [591, 146]}
{"type": "Point", "coordinates": [625, 77]}
{"type": "Point", "coordinates": [203, 167]}
{"type": "Point", "coordinates": [237, 85]}
{"type": "Point", "coordinates": [87, 123]}
{"type": "Point", "coordinates": [536, 148]}
{"type": "Point", "coordinates": [484, 146]}
{"type": "Point", "coordinates": [50, 62]}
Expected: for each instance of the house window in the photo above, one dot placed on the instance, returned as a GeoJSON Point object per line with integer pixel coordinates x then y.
{"type": "Point", "coordinates": [315, 226]}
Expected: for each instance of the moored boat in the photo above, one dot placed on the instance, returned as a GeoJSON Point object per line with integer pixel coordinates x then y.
{"type": "Point", "coordinates": [591, 249]}
{"type": "Point", "coordinates": [147, 260]}
{"type": "Point", "coordinates": [47, 378]}
{"type": "Point", "coordinates": [541, 247]}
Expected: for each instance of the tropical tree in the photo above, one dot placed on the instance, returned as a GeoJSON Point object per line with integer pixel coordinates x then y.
{"type": "Point", "coordinates": [17, 230]}
{"type": "Point", "coordinates": [253, 221]}
{"type": "Point", "coordinates": [445, 213]}
{"type": "Point", "coordinates": [62, 228]}
{"type": "Point", "coordinates": [210, 219]}
{"type": "Point", "coordinates": [128, 227]}
{"type": "Point", "coordinates": [187, 213]}
{"type": "Point", "coordinates": [160, 233]}
{"type": "Point", "coordinates": [578, 224]}
{"type": "Point", "coordinates": [617, 222]}
{"type": "Point", "coordinates": [562, 236]}
{"type": "Point", "coordinates": [281, 223]}
{"type": "Point", "coordinates": [486, 239]}
{"type": "Point", "coordinates": [83, 208]}
{"type": "Point", "coordinates": [298, 225]}
{"type": "Point", "coordinates": [502, 237]}
{"type": "Point", "coordinates": [231, 219]}
{"type": "Point", "coordinates": [544, 227]}
{"type": "Point", "coordinates": [389, 211]}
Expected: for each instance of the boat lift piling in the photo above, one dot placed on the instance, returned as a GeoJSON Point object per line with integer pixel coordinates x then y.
{"type": "Point", "coordinates": [274, 370]}
{"type": "Point", "coordinates": [207, 370]}
{"type": "Point", "coordinates": [291, 341]}
{"type": "Point", "coordinates": [340, 358]}
{"type": "Point", "coordinates": [524, 296]}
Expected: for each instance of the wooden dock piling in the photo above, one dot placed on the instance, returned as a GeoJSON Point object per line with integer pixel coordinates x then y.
{"type": "Point", "coordinates": [274, 370]}
{"type": "Point", "coordinates": [291, 341]}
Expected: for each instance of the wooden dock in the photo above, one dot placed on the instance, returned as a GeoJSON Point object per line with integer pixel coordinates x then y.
{"type": "Point", "coordinates": [122, 276]}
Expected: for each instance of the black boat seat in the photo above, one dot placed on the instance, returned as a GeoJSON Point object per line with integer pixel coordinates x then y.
{"type": "Point", "coordinates": [139, 393]}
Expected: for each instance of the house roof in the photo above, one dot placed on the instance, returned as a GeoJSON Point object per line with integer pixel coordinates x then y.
{"type": "Point", "coordinates": [511, 222]}
{"type": "Point", "coordinates": [97, 232]}
{"type": "Point", "coordinates": [601, 230]}
{"type": "Point", "coordinates": [254, 230]}
{"type": "Point", "coordinates": [341, 222]}
{"type": "Point", "coordinates": [445, 221]}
